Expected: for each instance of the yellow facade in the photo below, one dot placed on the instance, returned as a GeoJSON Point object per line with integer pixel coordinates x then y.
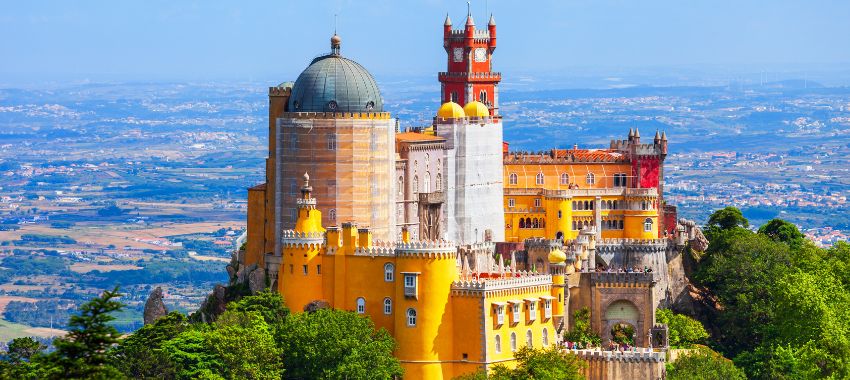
{"type": "Point", "coordinates": [549, 198]}
{"type": "Point", "coordinates": [446, 323]}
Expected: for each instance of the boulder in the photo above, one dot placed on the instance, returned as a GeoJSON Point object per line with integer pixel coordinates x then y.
{"type": "Point", "coordinates": [257, 281]}
{"type": "Point", "coordinates": [154, 307]}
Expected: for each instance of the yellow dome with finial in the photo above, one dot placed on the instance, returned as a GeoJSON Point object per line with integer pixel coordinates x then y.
{"type": "Point", "coordinates": [450, 110]}
{"type": "Point", "coordinates": [476, 109]}
{"type": "Point", "coordinates": [557, 256]}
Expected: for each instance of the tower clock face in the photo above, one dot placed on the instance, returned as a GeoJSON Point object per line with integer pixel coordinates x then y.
{"type": "Point", "coordinates": [458, 54]}
{"type": "Point", "coordinates": [480, 55]}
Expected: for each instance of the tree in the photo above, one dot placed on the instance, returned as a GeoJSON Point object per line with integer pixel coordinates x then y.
{"type": "Point", "coordinates": [191, 354]}
{"type": "Point", "coordinates": [334, 344]}
{"type": "Point", "coordinates": [268, 304]}
{"type": "Point", "coordinates": [81, 354]}
{"type": "Point", "coordinates": [684, 330]}
{"type": "Point", "coordinates": [728, 218]}
{"type": "Point", "coordinates": [704, 364]}
{"type": "Point", "coordinates": [246, 346]}
{"type": "Point", "coordinates": [580, 331]}
{"type": "Point", "coordinates": [141, 356]}
{"type": "Point", "coordinates": [23, 349]}
{"type": "Point", "coordinates": [782, 231]}
{"type": "Point", "coordinates": [547, 363]}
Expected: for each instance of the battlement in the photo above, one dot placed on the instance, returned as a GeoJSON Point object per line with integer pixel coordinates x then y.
{"type": "Point", "coordinates": [525, 279]}
{"type": "Point", "coordinates": [566, 156]}
{"type": "Point", "coordinates": [541, 243]}
{"type": "Point", "coordinates": [642, 355]}
{"type": "Point", "coordinates": [291, 238]}
{"type": "Point", "coordinates": [379, 248]}
{"type": "Point", "coordinates": [477, 34]}
{"type": "Point", "coordinates": [306, 202]}
{"type": "Point", "coordinates": [280, 91]}
{"type": "Point", "coordinates": [632, 245]}
{"type": "Point", "coordinates": [622, 279]}
{"type": "Point", "coordinates": [431, 249]}
{"type": "Point", "coordinates": [337, 115]}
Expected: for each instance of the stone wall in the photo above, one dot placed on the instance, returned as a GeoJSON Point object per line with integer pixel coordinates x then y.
{"type": "Point", "coordinates": [613, 365]}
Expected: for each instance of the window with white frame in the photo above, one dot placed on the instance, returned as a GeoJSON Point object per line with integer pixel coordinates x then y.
{"type": "Point", "coordinates": [498, 343]}
{"type": "Point", "coordinates": [389, 272]}
{"type": "Point", "coordinates": [500, 314]}
{"type": "Point", "coordinates": [333, 214]}
{"type": "Point", "coordinates": [529, 339]}
{"type": "Point", "coordinates": [427, 183]}
{"type": "Point", "coordinates": [410, 288]}
{"type": "Point", "coordinates": [361, 305]}
{"type": "Point", "coordinates": [415, 184]}
{"type": "Point", "coordinates": [513, 179]}
{"type": "Point", "coordinates": [547, 309]}
{"type": "Point", "coordinates": [537, 202]}
{"type": "Point", "coordinates": [590, 179]}
{"type": "Point", "coordinates": [532, 310]}
{"type": "Point", "coordinates": [539, 179]}
{"type": "Point", "coordinates": [304, 269]}
{"type": "Point", "coordinates": [411, 317]}
{"type": "Point", "coordinates": [513, 342]}
{"type": "Point", "coordinates": [439, 184]}
{"type": "Point", "coordinates": [647, 225]}
{"type": "Point", "coordinates": [388, 306]}
{"type": "Point", "coordinates": [545, 337]}
{"type": "Point", "coordinates": [565, 179]}
{"type": "Point", "coordinates": [511, 202]}
{"type": "Point", "coordinates": [515, 311]}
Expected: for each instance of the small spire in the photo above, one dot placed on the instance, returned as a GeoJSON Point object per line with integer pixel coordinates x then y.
{"type": "Point", "coordinates": [465, 269]}
{"type": "Point", "coordinates": [501, 266]}
{"type": "Point", "coordinates": [631, 133]}
{"type": "Point", "coordinates": [664, 136]}
{"type": "Point", "coordinates": [657, 135]}
{"type": "Point", "coordinates": [469, 21]}
{"type": "Point", "coordinates": [513, 262]}
{"type": "Point", "coordinates": [637, 133]}
{"type": "Point", "coordinates": [492, 20]}
{"type": "Point", "coordinates": [448, 20]}
{"type": "Point", "coordinates": [336, 41]}
{"type": "Point", "coordinates": [306, 189]}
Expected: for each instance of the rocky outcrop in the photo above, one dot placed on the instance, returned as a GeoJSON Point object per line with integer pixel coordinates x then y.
{"type": "Point", "coordinates": [244, 280]}
{"type": "Point", "coordinates": [256, 281]}
{"type": "Point", "coordinates": [154, 307]}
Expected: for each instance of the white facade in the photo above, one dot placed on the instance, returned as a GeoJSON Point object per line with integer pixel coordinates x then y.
{"type": "Point", "coordinates": [474, 188]}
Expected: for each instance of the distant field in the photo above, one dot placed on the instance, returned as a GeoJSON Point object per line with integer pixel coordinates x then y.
{"type": "Point", "coordinates": [9, 331]}
{"type": "Point", "coordinates": [4, 301]}
{"type": "Point", "coordinates": [198, 257]}
{"type": "Point", "coordinates": [88, 267]}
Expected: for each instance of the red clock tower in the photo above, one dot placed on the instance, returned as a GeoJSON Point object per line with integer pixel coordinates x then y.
{"type": "Point", "coordinates": [469, 76]}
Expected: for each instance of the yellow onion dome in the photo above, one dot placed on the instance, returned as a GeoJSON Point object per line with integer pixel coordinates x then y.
{"type": "Point", "coordinates": [557, 256]}
{"type": "Point", "coordinates": [476, 109]}
{"type": "Point", "coordinates": [450, 110]}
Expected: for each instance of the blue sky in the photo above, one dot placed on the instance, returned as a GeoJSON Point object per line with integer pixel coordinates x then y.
{"type": "Point", "coordinates": [274, 40]}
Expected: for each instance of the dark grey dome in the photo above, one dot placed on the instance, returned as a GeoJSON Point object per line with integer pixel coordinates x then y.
{"type": "Point", "coordinates": [335, 84]}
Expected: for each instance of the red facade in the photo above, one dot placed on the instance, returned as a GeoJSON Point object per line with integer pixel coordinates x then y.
{"type": "Point", "coordinates": [469, 74]}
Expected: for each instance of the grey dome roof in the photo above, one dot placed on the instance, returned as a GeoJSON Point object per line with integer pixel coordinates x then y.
{"type": "Point", "coordinates": [335, 84]}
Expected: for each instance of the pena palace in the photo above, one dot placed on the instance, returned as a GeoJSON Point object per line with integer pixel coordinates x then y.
{"type": "Point", "coordinates": [461, 248]}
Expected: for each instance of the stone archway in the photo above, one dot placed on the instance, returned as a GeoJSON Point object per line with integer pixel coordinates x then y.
{"type": "Point", "coordinates": [621, 311]}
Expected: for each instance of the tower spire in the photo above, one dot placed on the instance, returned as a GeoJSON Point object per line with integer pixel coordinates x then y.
{"type": "Point", "coordinates": [469, 21]}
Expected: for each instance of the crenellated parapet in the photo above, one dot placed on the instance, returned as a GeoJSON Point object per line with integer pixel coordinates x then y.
{"type": "Point", "coordinates": [632, 245]}
{"type": "Point", "coordinates": [379, 248]}
{"type": "Point", "coordinates": [295, 239]}
{"type": "Point", "coordinates": [521, 282]}
{"type": "Point", "coordinates": [622, 279]}
{"type": "Point", "coordinates": [642, 355]}
{"type": "Point", "coordinates": [427, 249]}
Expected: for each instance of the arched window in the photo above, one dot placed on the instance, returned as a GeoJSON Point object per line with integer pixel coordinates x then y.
{"type": "Point", "coordinates": [498, 343]}
{"type": "Point", "coordinates": [574, 225]}
{"type": "Point", "coordinates": [535, 223]}
{"type": "Point", "coordinates": [529, 339]}
{"type": "Point", "coordinates": [545, 337]}
{"type": "Point", "coordinates": [439, 186]}
{"type": "Point", "coordinates": [539, 178]}
{"type": "Point", "coordinates": [521, 223]}
{"type": "Point", "coordinates": [401, 187]}
{"type": "Point", "coordinates": [575, 206]}
{"type": "Point", "coordinates": [513, 342]}
{"type": "Point", "coordinates": [590, 179]}
{"type": "Point", "coordinates": [513, 179]}
{"type": "Point", "coordinates": [415, 184]}
{"type": "Point", "coordinates": [527, 222]}
{"type": "Point", "coordinates": [482, 96]}
{"type": "Point", "coordinates": [621, 224]}
{"type": "Point", "coordinates": [586, 205]}
{"type": "Point", "coordinates": [565, 179]}
{"type": "Point", "coordinates": [453, 96]}
{"type": "Point", "coordinates": [427, 184]}
{"type": "Point", "coordinates": [647, 225]}
{"type": "Point", "coordinates": [361, 305]}
{"type": "Point", "coordinates": [332, 214]}
{"type": "Point", "coordinates": [388, 306]}
{"type": "Point", "coordinates": [389, 272]}
{"type": "Point", "coordinates": [411, 317]}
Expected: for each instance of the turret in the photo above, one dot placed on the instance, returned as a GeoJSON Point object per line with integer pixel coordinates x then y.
{"type": "Point", "coordinates": [447, 27]}
{"type": "Point", "coordinates": [657, 139]}
{"type": "Point", "coordinates": [491, 26]}
{"type": "Point", "coordinates": [637, 136]}
{"type": "Point", "coordinates": [470, 25]}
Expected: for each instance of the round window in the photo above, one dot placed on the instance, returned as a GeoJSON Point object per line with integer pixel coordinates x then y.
{"type": "Point", "coordinates": [332, 105]}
